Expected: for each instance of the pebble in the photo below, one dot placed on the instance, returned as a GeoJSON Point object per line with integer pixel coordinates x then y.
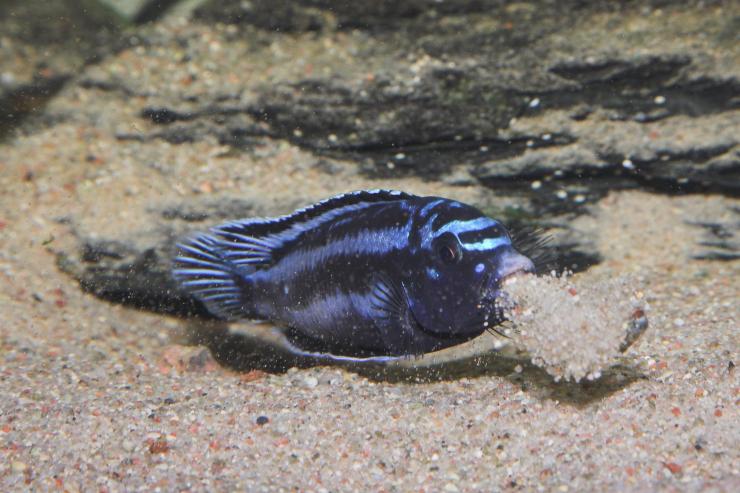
{"type": "Point", "coordinates": [7, 78]}
{"type": "Point", "coordinates": [311, 381]}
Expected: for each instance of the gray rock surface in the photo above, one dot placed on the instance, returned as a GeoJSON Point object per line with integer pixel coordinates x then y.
{"type": "Point", "coordinates": [517, 92]}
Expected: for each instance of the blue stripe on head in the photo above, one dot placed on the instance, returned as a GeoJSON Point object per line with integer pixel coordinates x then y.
{"type": "Point", "coordinates": [428, 208]}
{"type": "Point", "coordinates": [467, 226]}
{"type": "Point", "coordinates": [426, 232]}
{"type": "Point", "coordinates": [457, 227]}
{"type": "Point", "coordinates": [487, 244]}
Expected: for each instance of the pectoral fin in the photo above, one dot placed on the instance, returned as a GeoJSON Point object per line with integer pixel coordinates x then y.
{"type": "Point", "coordinates": [392, 315]}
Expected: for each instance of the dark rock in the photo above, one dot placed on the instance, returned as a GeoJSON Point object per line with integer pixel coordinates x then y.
{"type": "Point", "coordinates": [487, 86]}
{"type": "Point", "coordinates": [444, 113]}
{"type": "Point", "coordinates": [719, 240]}
{"type": "Point", "coordinates": [134, 268]}
{"type": "Point", "coordinates": [153, 10]}
{"type": "Point", "coordinates": [18, 100]}
{"type": "Point", "coordinates": [117, 271]}
{"type": "Point", "coordinates": [43, 45]}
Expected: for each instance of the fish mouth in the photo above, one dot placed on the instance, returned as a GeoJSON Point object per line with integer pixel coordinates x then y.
{"type": "Point", "coordinates": [512, 263]}
{"type": "Point", "coordinates": [495, 301]}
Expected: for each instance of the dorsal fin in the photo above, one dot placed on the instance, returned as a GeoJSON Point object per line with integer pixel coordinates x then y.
{"type": "Point", "coordinates": [262, 227]}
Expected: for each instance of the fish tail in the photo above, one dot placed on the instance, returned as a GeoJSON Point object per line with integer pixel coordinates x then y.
{"type": "Point", "coordinates": [202, 267]}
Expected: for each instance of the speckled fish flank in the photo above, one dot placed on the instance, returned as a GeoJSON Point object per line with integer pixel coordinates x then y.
{"type": "Point", "coordinates": [364, 274]}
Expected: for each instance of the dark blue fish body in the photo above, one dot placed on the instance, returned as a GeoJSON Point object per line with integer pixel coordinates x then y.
{"type": "Point", "coordinates": [362, 274]}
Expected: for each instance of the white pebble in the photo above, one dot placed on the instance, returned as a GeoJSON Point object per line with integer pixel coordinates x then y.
{"type": "Point", "coordinates": [7, 78]}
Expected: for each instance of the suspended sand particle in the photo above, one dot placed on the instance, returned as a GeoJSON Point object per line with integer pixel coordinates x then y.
{"type": "Point", "coordinates": [574, 329]}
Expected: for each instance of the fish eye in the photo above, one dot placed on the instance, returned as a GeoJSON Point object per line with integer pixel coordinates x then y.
{"type": "Point", "coordinates": [447, 254]}
{"type": "Point", "coordinates": [448, 249]}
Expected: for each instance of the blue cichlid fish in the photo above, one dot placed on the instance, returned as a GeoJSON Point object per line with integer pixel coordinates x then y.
{"type": "Point", "coordinates": [366, 274]}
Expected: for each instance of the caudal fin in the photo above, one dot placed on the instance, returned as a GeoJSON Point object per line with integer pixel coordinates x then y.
{"type": "Point", "coordinates": [201, 266]}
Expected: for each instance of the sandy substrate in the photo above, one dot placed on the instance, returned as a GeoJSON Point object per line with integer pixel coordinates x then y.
{"type": "Point", "coordinates": [96, 396]}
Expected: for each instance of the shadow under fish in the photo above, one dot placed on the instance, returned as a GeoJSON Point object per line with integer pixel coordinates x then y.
{"type": "Point", "coordinates": [247, 346]}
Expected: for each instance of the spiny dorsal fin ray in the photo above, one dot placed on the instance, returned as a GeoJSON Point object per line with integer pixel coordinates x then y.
{"type": "Point", "coordinates": [262, 227]}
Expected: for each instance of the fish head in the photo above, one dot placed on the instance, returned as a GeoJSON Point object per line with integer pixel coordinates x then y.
{"type": "Point", "coordinates": [464, 257]}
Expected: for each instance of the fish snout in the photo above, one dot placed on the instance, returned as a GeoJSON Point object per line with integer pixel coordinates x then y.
{"type": "Point", "coordinates": [511, 263]}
